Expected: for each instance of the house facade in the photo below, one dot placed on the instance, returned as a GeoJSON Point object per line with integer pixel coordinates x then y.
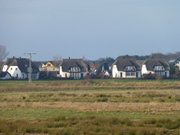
{"type": "Point", "coordinates": [18, 68]}
{"type": "Point", "coordinates": [50, 66]}
{"type": "Point", "coordinates": [156, 67]}
{"type": "Point", "coordinates": [49, 70]}
{"type": "Point", "coordinates": [125, 68]}
{"type": "Point", "coordinates": [73, 69]}
{"type": "Point", "coordinates": [104, 70]}
{"type": "Point", "coordinates": [177, 63]}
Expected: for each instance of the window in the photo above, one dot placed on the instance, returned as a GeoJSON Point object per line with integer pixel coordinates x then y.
{"type": "Point", "coordinates": [74, 69]}
{"type": "Point", "coordinates": [130, 73]}
{"type": "Point", "coordinates": [160, 73]}
{"type": "Point", "coordinates": [49, 65]}
{"type": "Point", "coordinates": [130, 68]}
{"type": "Point", "coordinates": [158, 68]}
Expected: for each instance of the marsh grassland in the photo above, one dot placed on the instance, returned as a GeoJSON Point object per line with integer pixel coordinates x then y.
{"type": "Point", "coordinates": [90, 107]}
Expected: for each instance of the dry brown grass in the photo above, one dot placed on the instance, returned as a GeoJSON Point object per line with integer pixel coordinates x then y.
{"type": "Point", "coordinates": [79, 106]}
{"type": "Point", "coordinates": [95, 107]}
{"type": "Point", "coordinates": [88, 85]}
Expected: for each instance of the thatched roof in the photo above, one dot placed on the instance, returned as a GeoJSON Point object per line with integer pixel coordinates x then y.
{"type": "Point", "coordinates": [68, 63]}
{"type": "Point", "coordinates": [151, 63]}
{"type": "Point", "coordinates": [123, 63]}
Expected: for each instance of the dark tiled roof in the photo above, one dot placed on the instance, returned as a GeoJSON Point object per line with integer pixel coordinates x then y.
{"type": "Point", "coordinates": [103, 67]}
{"type": "Point", "coordinates": [123, 63]}
{"type": "Point", "coordinates": [68, 63]}
{"type": "Point", "coordinates": [151, 63]}
{"type": "Point", "coordinates": [22, 63]}
{"type": "Point", "coordinates": [38, 64]}
{"type": "Point", "coordinates": [3, 74]}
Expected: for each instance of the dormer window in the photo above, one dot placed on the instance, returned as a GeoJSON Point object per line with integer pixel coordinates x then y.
{"type": "Point", "coordinates": [49, 65]}
{"type": "Point", "coordinates": [130, 68]}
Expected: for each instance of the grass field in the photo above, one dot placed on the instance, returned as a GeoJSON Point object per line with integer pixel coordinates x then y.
{"type": "Point", "coordinates": [90, 107]}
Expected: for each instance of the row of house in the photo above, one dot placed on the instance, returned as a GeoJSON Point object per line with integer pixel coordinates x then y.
{"type": "Point", "coordinates": [18, 68]}
{"type": "Point", "coordinates": [128, 68]}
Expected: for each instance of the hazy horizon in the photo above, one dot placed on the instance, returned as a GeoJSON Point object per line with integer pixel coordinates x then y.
{"type": "Point", "coordinates": [91, 29]}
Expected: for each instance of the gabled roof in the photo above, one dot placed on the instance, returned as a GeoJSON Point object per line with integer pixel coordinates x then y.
{"type": "Point", "coordinates": [123, 63]}
{"type": "Point", "coordinates": [151, 63]}
{"type": "Point", "coordinates": [22, 63]}
{"type": "Point", "coordinates": [54, 63]}
{"type": "Point", "coordinates": [68, 63]}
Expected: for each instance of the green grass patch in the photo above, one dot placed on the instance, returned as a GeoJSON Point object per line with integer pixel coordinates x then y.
{"type": "Point", "coordinates": [54, 121]}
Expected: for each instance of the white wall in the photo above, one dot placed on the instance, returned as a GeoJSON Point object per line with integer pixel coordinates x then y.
{"type": "Point", "coordinates": [15, 72]}
{"type": "Point", "coordinates": [145, 71]}
{"type": "Point", "coordinates": [122, 74]}
{"type": "Point", "coordinates": [68, 75]}
{"type": "Point", "coordinates": [63, 74]}
{"type": "Point", "coordinates": [116, 73]}
{"type": "Point", "coordinates": [5, 68]}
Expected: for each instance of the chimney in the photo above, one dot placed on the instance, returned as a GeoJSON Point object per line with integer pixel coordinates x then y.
{"type": "Point", "coordinates": [69, 58]}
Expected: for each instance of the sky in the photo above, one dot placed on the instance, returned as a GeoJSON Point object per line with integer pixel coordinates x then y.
{"type": "Point", "coordinates": [89, 28]}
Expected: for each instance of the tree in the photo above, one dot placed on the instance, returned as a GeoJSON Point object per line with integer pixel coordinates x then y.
{"type": "Point", "coordinates": [3, 54]}
{"type": "Point", "coordinates": [58, 60]}
{"type": "Point", "coordinates": [159, 56]}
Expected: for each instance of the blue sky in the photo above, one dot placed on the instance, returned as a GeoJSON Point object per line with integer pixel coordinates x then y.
{"type": "Point", "coordinates": [89, 28]}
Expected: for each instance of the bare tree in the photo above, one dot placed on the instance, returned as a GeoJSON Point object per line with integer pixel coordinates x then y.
{"type": "Point", "coordinates": [58, 60]}
{"type": "Point", "coordinates": [3, 54]}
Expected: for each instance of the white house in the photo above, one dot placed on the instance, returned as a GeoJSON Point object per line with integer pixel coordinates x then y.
{"type": "Point", "coordinates": [18, 68]}
{"type": "Point", "coordinates": [177, 63]}
{"type": "Point", "coordinates": [125, 68]}
{"type": "Point", "coordinates": [156, 67]}
{"type": "Point", "coordinates": [73, 69]}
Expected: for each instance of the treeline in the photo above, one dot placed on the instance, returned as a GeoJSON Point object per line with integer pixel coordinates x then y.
{"type": "Point", "coordinates": [167, 57]}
